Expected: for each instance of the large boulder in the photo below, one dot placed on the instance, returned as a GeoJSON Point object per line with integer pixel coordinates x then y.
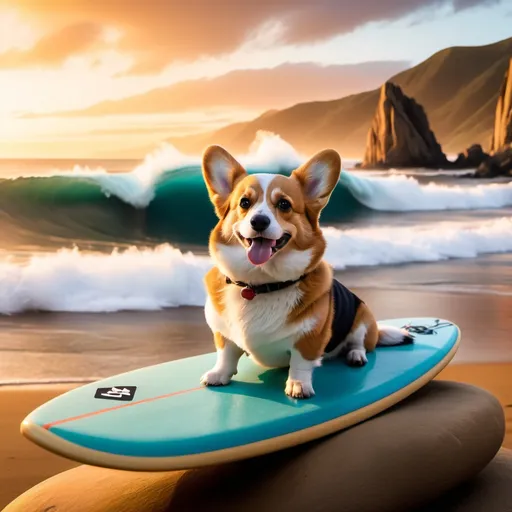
{"type": "Point", "coordinates": [502, 136]}
{"type": "Point", "coordinates": [400, 134]}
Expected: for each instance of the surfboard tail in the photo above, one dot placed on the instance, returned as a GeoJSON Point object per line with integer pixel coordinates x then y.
{"type": "Point", "coordinates": [390, 335]}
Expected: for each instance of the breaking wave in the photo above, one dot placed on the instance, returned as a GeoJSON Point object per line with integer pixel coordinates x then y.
{"type": "Point", "coordinates": [164, 276]}
{"type": "Point", "coordinates": [164, 198]}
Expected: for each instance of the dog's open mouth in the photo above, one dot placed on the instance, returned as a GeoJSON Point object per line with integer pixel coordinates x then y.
{"type": "Point", "coordinates": [260, 249]}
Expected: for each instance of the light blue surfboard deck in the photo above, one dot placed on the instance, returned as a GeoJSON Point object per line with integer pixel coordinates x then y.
{"type": "Point", "coordinates": [160, 417]}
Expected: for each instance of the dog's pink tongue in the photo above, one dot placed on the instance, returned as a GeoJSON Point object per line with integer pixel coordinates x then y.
{"type": "Point", "coordinates": [260, 250]}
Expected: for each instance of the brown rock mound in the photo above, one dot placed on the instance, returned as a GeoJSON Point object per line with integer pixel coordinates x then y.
{"type": "Point", "coordinates": [502, 136]}
{"type": "Point", "coordinates": [400, 134]}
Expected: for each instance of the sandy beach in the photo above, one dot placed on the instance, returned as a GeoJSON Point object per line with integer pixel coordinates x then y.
{"type": "Point", "coordinates": [22, 464]}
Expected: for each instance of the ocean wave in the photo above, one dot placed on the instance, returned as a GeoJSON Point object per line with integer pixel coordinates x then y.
{"type": "Point", "coordinates": [164, 277]}
{"type": "Point", "coordinates": [268, 153]}
{"type": "Point", "coordinates": [164, 199]}
{"type": "Point", "coordinates": [399, 193]}
{"type": "Point", "coordinates": [74, 281]}
{"type": "Point", "coordinates": [418, 243]}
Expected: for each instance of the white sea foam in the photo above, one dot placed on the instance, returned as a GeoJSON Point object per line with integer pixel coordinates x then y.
{"type": "Point", "coordinates": [417, 243]}
{"type": "Point", "coordinates": [138, 186]}
{"type": "Point", "coordinates": [135, 279]}
{"type": "Point", "coordinates": [396, 193]}
{"type": "Point", "coordinates": [151, 279]}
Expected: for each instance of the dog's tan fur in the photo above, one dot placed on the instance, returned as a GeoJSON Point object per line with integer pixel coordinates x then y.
{"type": "Point", "coordinates": [305, 326]}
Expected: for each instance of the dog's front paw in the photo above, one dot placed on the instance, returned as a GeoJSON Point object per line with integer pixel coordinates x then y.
{"type": "Point", "coordinates": [298, 389]}
{"type": "Point", "coordinates": [357, 357]}
{"type": "Point", "coordinates": [216, 378]}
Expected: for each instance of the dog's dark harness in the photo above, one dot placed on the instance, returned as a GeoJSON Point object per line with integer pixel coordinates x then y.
{"type": "Point", "coordinates": [345, 305]}
{"type": "Point", "coordinates": [345, 309]}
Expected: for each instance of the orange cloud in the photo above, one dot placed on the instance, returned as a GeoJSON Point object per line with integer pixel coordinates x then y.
{"type": "Point", "coordinates": [158, 32]}
{"type": "Point", "coordinates": [54, 48]}
{"type": "Point", "coordinates": [251, 89]}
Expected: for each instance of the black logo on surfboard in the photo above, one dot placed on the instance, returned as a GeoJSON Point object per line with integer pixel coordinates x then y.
{"type": "Point", "coordinates": [123, 393]}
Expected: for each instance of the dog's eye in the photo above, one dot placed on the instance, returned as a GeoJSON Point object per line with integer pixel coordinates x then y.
{"type": "Point", "coordinates": [245, 203]}
{"type": "Point", "coordinates": [284, 205]}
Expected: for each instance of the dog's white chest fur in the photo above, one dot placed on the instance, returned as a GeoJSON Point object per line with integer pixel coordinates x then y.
{"type": "Point", "coordinates": [260, 326]}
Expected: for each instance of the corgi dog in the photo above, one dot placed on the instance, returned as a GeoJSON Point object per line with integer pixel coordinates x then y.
{"type": "Point", "coordinates": [270, 293]}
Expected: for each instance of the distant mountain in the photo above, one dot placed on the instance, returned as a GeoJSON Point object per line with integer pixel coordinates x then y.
{"type": "Point", "coordinates": [254, 89]}
{"type": "Point", "coordinates": [458, 87]}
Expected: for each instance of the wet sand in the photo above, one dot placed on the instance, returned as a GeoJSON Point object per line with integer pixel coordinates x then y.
{"type": "Point", "coordinates": [23, 464]}
{"type": "Point", "coordinates": [57, 346]}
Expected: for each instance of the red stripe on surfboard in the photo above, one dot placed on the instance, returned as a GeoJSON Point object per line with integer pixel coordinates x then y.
{"type": "Point", "coordinates": [48, 426]}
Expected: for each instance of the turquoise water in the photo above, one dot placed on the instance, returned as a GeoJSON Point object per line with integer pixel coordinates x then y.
{"type": "Point", "coordinates": [172, 205]}
{"type": "Point", "coordinates": [82, 208]}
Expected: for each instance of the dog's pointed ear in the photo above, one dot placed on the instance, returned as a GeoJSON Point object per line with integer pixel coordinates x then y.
{"type": "Point", "coordinates": [221, 172]}
{"type": "Point", "coordinates": [318, 178]}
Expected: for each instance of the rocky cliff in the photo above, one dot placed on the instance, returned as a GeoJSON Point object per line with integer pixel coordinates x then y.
{"type": "Point", "coordinates": [502, 136]}
{"type": "Point", "coordinates": [500, 161]}
{"type": "Point", "coordinates": [400, 134]}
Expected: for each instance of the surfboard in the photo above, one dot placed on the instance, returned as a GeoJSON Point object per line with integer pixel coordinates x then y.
{"type": "Point", "coordinates": [161, 418]}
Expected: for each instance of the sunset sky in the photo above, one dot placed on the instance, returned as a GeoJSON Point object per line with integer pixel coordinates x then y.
{"type": "Point", "coordinates": [88, 78]}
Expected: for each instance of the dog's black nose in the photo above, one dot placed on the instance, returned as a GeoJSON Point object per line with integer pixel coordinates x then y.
{"type": "Point", "coordinates": [260, 222]}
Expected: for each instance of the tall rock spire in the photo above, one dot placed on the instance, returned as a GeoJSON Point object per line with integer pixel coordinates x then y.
{"type": "Point", "coordinates": [400, 134]}
{"type": "Point", "coordinates": [502, 135]}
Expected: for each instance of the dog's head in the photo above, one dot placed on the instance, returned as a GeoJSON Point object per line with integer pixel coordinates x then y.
{"type": "Point", "coordinates": [268, 227]}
